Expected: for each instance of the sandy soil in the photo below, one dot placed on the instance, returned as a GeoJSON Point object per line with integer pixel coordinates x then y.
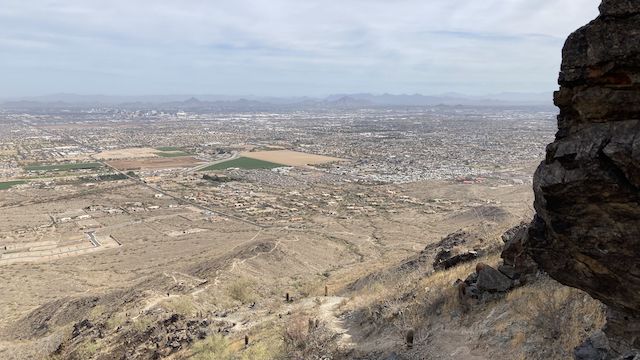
{"type": "Point", "coordinates": [218, 252]}
{"type": "Point", "coordinates": [288, 157]}
{"type": "Point", "coordinates": [132, 153]}
{"type": "Point", "coordinates": [155, 163]}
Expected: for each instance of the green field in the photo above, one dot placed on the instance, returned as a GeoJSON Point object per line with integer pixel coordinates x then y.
{"type": "Point", "coordinates": [63, 167]}
{"type": "Point", "coordinates": [172, 154]}
{"type": "Point", "coordinates": [10, 184]}
{"type": "Point", "coordinates": [243, 163]}
{"type": "Point", "coordinates": [168, 148]}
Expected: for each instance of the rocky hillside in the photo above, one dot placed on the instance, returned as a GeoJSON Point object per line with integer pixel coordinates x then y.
{"type": "Point", "coordinates": [587, 232]}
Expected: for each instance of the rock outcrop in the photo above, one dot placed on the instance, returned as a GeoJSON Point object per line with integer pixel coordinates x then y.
{"type": "Point", "coordinates": [517, 264]}
{"type": "Point", "coordinates": [448, 258]}
{"type": "Point", "coordinates": [491, 280]}
{"type": "Point", "coordinates": [586, 233]}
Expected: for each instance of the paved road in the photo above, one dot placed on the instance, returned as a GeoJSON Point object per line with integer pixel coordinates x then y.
{"type": "Point", "coordinates": [92, 237]}
{"type": "Point", "coordinates": [235, 155]}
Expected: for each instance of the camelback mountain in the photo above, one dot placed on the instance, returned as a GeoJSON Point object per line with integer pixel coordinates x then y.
{"type": "Point", "coordinates": [586, 233]}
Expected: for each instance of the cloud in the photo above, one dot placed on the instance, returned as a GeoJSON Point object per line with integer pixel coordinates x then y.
{"type": "Point", "coordinates": [284, 46]}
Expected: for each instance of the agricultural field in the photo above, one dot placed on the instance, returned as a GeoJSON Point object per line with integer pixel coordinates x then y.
{"type": "Point", "coordinates": [129, 153]}
{"type": "Point", "coordinates": [155, 163]}
{"type": "Point", "coordinates": [9, 184]}
{"type": "Point", "coordinates": [170, 154]}
{"type": "Point", "coordinates": [290, 158]}
{"type": "Point", "coordinates": [63, 167]}
{"type": "Point", "coordinates": [243, 163]}
{"type": "Point", "coordinates": [168, 148]}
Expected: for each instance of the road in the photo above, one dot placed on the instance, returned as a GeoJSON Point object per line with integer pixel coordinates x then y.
{"type": "Point", "coordinates": [233, 156]}
{"type": "Point", "coordinates": [92, 237]}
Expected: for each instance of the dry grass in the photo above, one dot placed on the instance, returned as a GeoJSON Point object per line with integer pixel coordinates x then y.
{"type": "Point", "coordinates": [302, 342]}
{"type": "Point", "coordinates": [183, 305]}
{"type": "Point", "coordinates": [218, 347]}
{"type": "Point", "coordinates": [96, 312]}
{"type": "Point", "coordinates": [391, 304]}
{"type": "Point", "coordinates": [310, 288]}
{"type": "Point", "coordinates": [143, 323]}
{"type": "Point", "coordinates": [88, 349]}
{"type": "Point", "coordinates": [439, 292]}
{"type": "Point", "coordinates": [115, 320]}
{"type": "Point", "coordinates": [215, 347]}
{"type": "Point", "coordinates": [544, 320]}
{"type": "Point", "coordinates": [557, 318]}
{"type": "Point", "coordinates": [242, 290]}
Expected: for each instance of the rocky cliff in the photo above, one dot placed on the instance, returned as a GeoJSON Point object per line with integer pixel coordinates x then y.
{"type": "Point", "coordinates": [586, 233]}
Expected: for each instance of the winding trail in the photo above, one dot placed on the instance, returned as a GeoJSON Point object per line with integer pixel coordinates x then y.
{"type": "Point", "coordinates": [328, 312]}
{"type": "Point", "coordinates": [151, 303]}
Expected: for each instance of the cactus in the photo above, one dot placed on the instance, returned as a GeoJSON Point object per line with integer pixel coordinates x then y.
{"type": "Point", "coordinates": [409, 338]}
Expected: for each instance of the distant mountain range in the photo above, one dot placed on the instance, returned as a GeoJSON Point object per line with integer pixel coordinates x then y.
{"type": "Point", "coordinates": [188, 102]}
{"type": "Point", "coordinates": [448, 99]}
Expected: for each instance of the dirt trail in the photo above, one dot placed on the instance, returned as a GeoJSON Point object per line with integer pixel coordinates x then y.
{"type": "Point", "coordinates": [152, 302]}
{"type": "Point", "coordinates": [328, 312]}
{"type": "Point", "coordinates": [326, 308]}
{"type": "Point", "coordinates": [455, 345]}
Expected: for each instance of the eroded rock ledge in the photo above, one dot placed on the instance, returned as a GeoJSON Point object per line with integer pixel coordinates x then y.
{"type": "Point", "coordinates": [586, 233]}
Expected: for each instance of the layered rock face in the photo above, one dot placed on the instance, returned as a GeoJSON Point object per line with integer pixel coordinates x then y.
{"type": "Point", "coordinates": [586, 233]}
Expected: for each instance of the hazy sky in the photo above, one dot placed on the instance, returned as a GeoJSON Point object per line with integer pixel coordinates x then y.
{"type": "Point", "coordinates": [284, 47]}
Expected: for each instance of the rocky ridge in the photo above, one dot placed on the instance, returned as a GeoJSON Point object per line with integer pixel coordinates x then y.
{"type": "Point", "coordinates": [586, 233]}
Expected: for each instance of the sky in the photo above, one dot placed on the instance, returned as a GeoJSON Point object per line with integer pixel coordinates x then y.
{"type": "Point", "coordinates": [284, 47]}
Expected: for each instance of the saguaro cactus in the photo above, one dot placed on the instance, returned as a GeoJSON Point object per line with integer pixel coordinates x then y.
{"type": "Point", "coordinates": [409, 338]}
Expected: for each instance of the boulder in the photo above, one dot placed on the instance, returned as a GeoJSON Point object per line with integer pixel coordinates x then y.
{"type": "Point", "coordinates": [448, 258]}
{"type": "Point", "coordinates": [517, 264]}
{"type": "Point", "coordinates": [509, 271]}
{"type": "Point", "coordinates": [596, 347]}
{"type": "Point", "coordinates": [453, 240]}
{"type": "Point", "coordinates": [492, 280]}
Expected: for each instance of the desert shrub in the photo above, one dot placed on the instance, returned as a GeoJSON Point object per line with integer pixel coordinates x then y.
{"type": "Point", "coordinates": [302, 343]}
{"type": "Point", "coordinates": [261, 351]}
{"type": "Point", "coordinates": [182, 305]}
{"type": "Point", "coordinates": [215, 347]}
{"type": "Point", "coordinates": [96, 312]}
{"type": "Point", "coordinates": [87, 350]}
{"type": "Point", "coordinates": [115, 320]}
{"type": "Point", "coordinates": [558, 317]}
{"type": "Point", "coordinates": [309, 288]}
{"type": "Point", "coordinates": [142, 323]}
{"type": "Point", "coordinates": [218, 347]}
{"type": "Point", "coordinates": [242, 290]}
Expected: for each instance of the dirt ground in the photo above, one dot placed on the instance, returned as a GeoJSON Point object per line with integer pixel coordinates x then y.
{"type": "Point", "coordinates": [166, 245]}
{"type": "Point", "coordinates": [154, 163]}
{"type": "Point", "coordinates": [131, 153]}
{"type": "Point", "coordinates": [290, 158]}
